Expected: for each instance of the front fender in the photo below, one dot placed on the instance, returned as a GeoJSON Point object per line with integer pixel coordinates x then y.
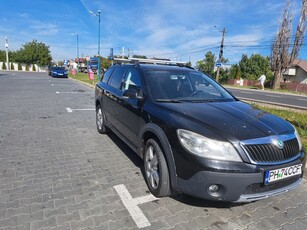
{"type": "Point", "coordinates": [168, 153]}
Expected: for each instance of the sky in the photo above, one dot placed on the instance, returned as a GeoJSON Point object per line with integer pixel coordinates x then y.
{"type": "Point", "coordinates": [181, 30]}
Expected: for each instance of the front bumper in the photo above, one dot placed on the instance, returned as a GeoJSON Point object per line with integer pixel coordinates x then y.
{"type": "Point", "coordinates": [235, 186]}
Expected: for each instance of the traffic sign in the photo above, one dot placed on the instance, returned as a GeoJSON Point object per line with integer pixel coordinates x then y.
{"type": "Point", "coordinates": [218, 64]}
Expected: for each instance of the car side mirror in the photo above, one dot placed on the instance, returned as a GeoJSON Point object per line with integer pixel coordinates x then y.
{"type": "Point", "coordinates": [130, 93]}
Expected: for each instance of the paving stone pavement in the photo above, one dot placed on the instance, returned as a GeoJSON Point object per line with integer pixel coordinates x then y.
{"type": "Point", "coordinates": [57, 172]}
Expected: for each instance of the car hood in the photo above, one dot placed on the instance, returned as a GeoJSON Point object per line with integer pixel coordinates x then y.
{"type": "Point", "coordinates": [235, 121]}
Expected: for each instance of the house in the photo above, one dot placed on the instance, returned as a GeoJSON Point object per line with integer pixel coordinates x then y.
{"type": "Point", "coordinates": [297, 72]}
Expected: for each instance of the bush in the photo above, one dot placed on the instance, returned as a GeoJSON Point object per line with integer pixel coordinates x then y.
{"type": "Point", "coordinates": [3, 66]}
{"type": "Point", "coordinates": [27, 67]}
{"type": "Point", "coordinates": [12, 66]}
{"type": "Point", "coordinates": [19, 66]}
{"type": "Point", "coordinates": [33, 68]}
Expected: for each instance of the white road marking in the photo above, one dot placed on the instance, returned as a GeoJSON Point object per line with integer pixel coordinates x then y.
{"type": "Point", "coordinates": [74, 92]}
{"type": "Point", "coordinates": [131, 205]}
{"type": "Point", "coordinates": [272, 95]}
{"type": "Point", "coordinates": [71, 110]}
{"type": "Point", "coordinates": [57, 92]}
{"type": "Point", "coordinates": [82, 109]}
{"type": "Point", "coordinates": [246, 92]}
{"type": "Point", "coordinates": [301, 99]}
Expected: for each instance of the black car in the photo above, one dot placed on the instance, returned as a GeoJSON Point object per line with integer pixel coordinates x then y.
{"type": "Point", "coordinates": [194, 136]}
{"type": "Point", "coordinates": [58, 71]}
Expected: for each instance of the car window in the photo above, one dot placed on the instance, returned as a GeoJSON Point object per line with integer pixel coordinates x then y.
{"type": "Point", "coordinates": [107, 75]}
{"type": "Point", "coordinates": [132, 81]}
{"type": "Point", "coordinates": [117, 77]}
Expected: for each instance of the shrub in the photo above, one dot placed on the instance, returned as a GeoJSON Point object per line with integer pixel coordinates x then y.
{"type": "Point", "coordinates": [19, 66]}
{"type": "Point", "coordinates": [12, 66]}
{"type": "Point", "coordinates": [27, 67]}
{"type": "Point", "coordinates": [3, 65]}
{"type": "Point", "coordinates": [33, 68]}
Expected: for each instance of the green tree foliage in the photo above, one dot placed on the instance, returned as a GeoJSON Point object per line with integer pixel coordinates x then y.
{"type": "Point", "coordinates": [60, 63]}
{"type": "Point", "coordinates": [105, 63]}
{"type": "Point", "coordinates": [235, 71]}
{"type": "Point", "coordinates": [139, 56]}
{"type": "Point", "coordinates": [19, 66]}
{"type": "Point", "coordinates": [252, 67]}
{"type": "Point", "coordinates": [12, 66]}
{"type": "Point", "coordinates": [33, 68]}
{"type": "Point", "coordinates": [34, 53]}
{"type": "Point", "coordinates": [207, 66]}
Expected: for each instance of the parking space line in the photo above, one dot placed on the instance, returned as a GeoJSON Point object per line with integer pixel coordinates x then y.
{"type": "Point", "coordinates": [69, 110]}
{"type": "Point", "coordinates": [131, 205]}
{"type": "Point", "coordinates": [57, 92]}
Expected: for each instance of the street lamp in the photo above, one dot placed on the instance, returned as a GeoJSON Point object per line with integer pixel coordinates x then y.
{"type": "Point", "coordinates": [77, 49]}
{"type": "Point", "coordinates": [98, 15]}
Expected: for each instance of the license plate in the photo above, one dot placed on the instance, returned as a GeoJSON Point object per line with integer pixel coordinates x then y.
{"type": "Point", "coordinates": [60, 74]}
{"type": "Point", "coordinates": [280, 174]}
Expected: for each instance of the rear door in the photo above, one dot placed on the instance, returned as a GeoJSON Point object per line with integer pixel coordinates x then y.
{"type": "Point", "coordinates": [112, 96]}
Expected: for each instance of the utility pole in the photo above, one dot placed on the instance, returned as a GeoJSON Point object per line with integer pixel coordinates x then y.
{"type": "Point", "coordinates": [220, 55]}
{"type": "Point", "coordinates": [7, 54]}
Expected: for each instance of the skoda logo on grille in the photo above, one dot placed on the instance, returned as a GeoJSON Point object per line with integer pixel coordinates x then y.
{"type": "Point", "coordinates": [280, 144]}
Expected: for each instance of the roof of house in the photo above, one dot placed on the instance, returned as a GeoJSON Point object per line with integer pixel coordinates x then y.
{"type": "Point", "coordinates": [300, 63]}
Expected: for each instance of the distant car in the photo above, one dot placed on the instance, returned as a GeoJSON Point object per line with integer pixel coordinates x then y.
{"type": "Point", "coordinates": [56, 71]}
{"type": "Point", "coordinates": [194, 136]}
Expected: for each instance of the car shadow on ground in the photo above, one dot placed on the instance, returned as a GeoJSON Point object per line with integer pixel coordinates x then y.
{"type": "Point", "coordinates": [135, 159]}
{"type": "Point", "coordinates": [182, 198]}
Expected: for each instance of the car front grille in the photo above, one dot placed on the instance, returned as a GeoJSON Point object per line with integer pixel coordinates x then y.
{"type": "Point", "coordinates": [269, 153]}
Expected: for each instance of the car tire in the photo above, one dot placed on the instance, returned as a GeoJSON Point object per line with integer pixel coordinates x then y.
{"type": "Point", "coordinates": [100, 120]}
{"type": "Point", "coordinates": [156, 170]}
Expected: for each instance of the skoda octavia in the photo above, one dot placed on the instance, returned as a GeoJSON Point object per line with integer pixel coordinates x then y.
{"type": "Point", "coordinates": [194, 136]}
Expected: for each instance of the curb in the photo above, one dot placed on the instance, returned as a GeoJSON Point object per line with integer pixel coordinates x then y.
{"type": "Point", "coordinates": [83, 83]}
{"type": "Point", "coordinates": [266, 91]}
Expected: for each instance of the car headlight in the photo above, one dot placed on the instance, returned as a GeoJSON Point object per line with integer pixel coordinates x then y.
{"type": "Point", "coordinates": [208, 148]}
{"type": "Point", "coordinates": [300, 145]}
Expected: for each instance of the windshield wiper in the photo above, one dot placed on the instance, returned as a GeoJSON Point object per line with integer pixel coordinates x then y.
{"type": "Point", "coordinates": [168, 100]}
{"type": "Point", "coordinates": [203, 100]}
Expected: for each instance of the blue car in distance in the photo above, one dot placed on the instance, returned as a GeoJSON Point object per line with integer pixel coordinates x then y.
{"type": "Point", "coordinates": [57, 71]}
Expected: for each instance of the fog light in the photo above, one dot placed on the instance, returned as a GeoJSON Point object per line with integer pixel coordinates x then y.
{"type": "Point", "coordinates": [214, 188]}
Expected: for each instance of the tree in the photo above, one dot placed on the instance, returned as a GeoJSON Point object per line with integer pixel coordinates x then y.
{"type": "Point", "coordinates": [281, 58]}
{"type": "Point", "coordinates": [12, 66]}
{"type": "Point", "coordinates": [3, 66]}
{"type": "Point", "coordinates": [34, 53]}
{"type": "Point", "coordinates": [139, 56]}
{"type": "Point", "coordinates": [235, 71]}
{"type": "Point", "coordinates": [60, 63]}
{"type": "Point", "coordinates": [252, 67]}
{"type": "Point", "coordinates": [19, 66]}
{"type": "Point", "coordinates": [207, 64]}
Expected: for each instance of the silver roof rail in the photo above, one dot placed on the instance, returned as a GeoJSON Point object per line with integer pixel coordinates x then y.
{"type": "Point", "coordinates": [150, 61]}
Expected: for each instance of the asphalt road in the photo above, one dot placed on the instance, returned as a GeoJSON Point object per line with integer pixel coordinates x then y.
{"type": "Point", "coordinates": [288, 100]}
{"type": "Point", "coordinates": [57, 172]}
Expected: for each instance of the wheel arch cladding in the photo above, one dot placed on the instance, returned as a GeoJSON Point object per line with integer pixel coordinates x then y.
{"type": "Point", "coordinates": [154, 131]}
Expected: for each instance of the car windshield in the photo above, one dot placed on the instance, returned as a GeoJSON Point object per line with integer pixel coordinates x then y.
{"type": "Point", "coordinates": [180, 86]}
